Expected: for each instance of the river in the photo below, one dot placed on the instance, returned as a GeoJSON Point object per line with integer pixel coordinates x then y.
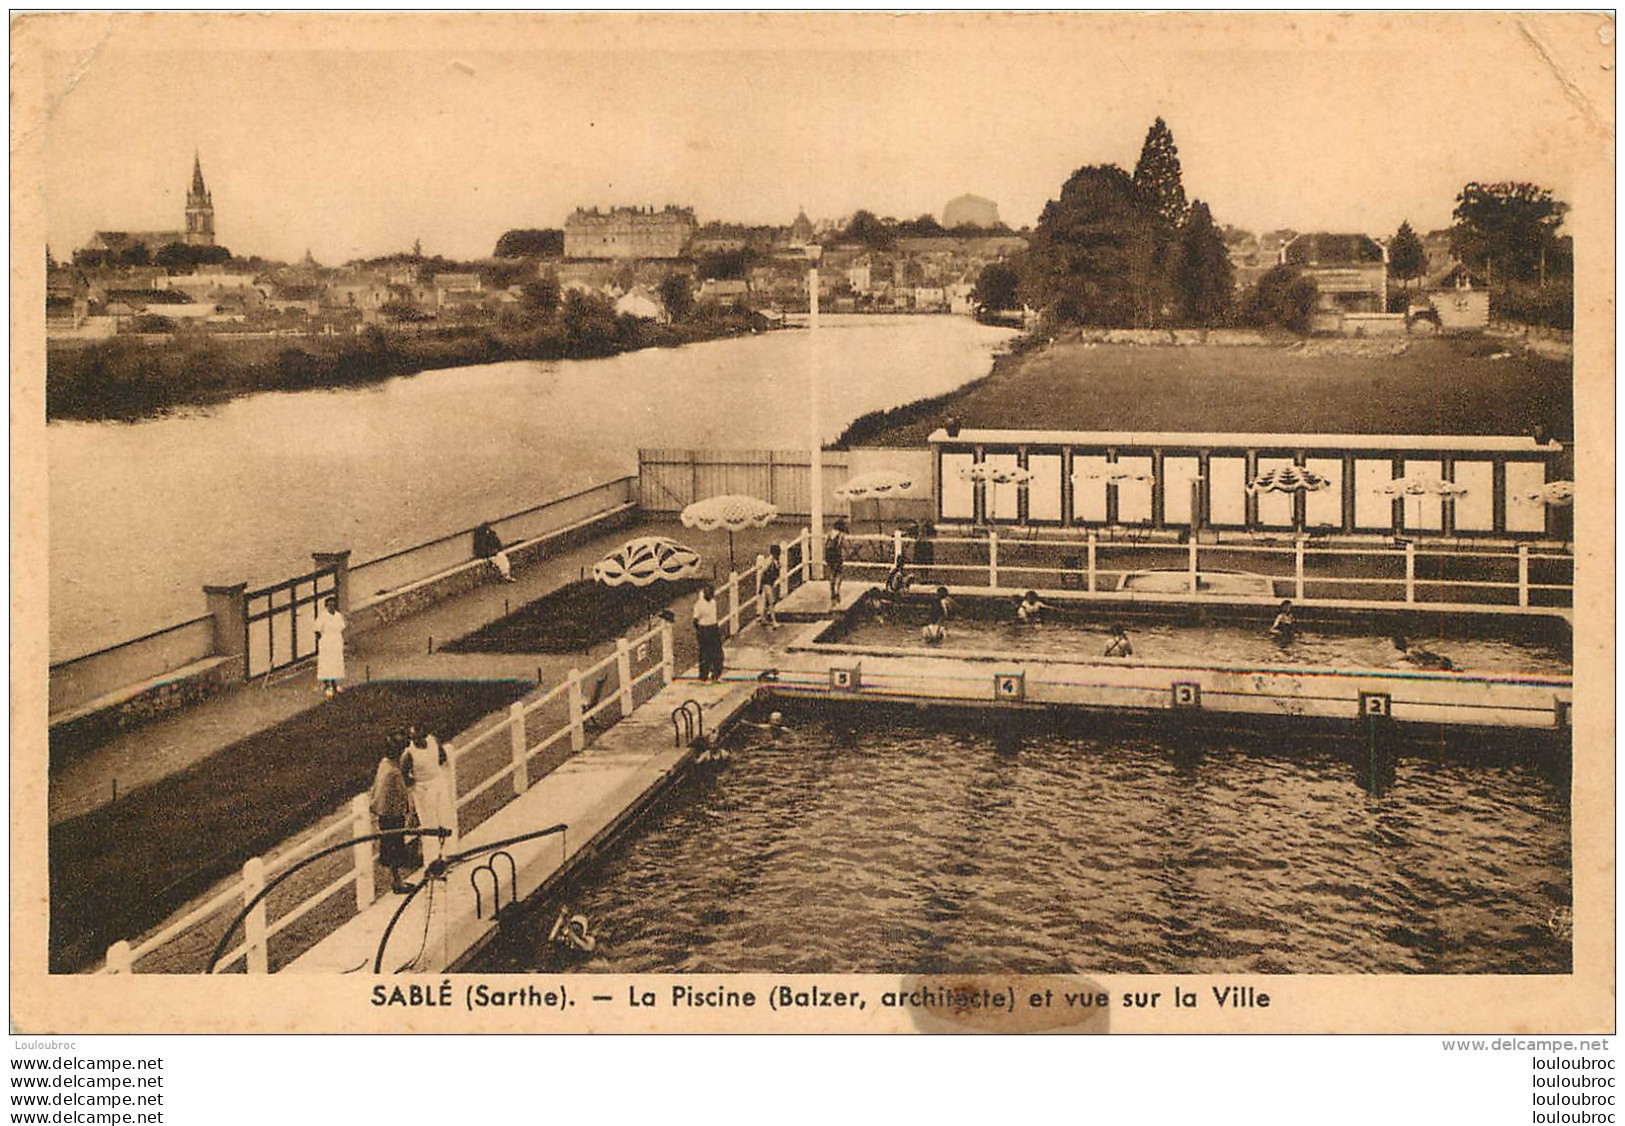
{"type": "Point", "coordinates": [143, 514]}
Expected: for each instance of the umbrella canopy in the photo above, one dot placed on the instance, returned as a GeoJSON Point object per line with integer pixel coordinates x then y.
{"type": "Point", "coordinates": [1421, 485]}
{"type": "Point", "coordinates": [1554, 493]}
{"type": "Point", "coordinates": [1114, 475]}
{"type": "Point", "coordinates": [730, 512]}
{"type": "Point", "coordinates": [987, 472]}
{"type": "Point", "coordinates": [877, 485]}
{"type": "Point", "coordinates": [647, 560]}
{"type": "Point", "coordinates": [1289, 478]}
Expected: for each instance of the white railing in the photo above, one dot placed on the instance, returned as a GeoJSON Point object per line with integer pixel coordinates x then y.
{"type": "Point", "coordinates": [1391, 567]}
{"type": "Point", "coordinates": [258, 928]}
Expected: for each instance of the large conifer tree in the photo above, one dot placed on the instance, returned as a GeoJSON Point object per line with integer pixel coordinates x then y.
{"type": "Point", "coordinates": [1407, 258]}
{"type": "Point", "coordinates": [1161, 186]}
{"type": "Point", "coordinates": [1158, 176]}
{"type": "Point", "coordinates": [1204, 277]}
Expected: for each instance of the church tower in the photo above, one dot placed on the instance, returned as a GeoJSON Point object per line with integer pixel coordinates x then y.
{"type": "Point", "coordinates": [199, 209]}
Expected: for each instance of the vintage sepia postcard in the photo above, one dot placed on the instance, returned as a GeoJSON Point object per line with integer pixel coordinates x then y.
{"type": "Point", "coordinates": [812, 523]}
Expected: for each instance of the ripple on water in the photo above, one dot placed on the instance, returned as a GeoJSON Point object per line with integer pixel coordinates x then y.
{"type": "Point", "coordinates": [905, 847]}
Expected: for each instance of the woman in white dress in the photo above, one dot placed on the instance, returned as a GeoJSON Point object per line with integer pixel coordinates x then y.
{"type": "Point", "coordinates": [425, 767]}
{"type": "Point", "coordinates": [329, 646]}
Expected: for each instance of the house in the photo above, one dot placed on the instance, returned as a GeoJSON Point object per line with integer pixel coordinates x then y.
{"type": "Point", "coordinates": [639, 301]}
{"type": "Point", "coordinates": [452, 289]}
{"type": "Point", "coordinates": [1350, 270]}
{"type": "Point", "coordinates": [724, 291]}
{"type": "Point", "coordinates": [930, 299]}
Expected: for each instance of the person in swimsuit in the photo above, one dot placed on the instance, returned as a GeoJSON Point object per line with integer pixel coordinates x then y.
{"type": "Point", "coordinates": [1120, 646]}
{"type": "Point", "coordinates": [835, 559]}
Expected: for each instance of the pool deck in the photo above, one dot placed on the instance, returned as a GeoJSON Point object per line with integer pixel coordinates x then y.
{"type": "Point", "coordinates": [595, 794]}
{"type": "Point", "coordinates": [600, 791]}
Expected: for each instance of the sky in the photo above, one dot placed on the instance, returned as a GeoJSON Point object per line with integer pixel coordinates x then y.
{"type": "Point", "coordinates": [351, 137]}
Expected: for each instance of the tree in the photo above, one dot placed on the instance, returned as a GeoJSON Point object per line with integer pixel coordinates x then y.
{"type": "Point", "coordinates": [590, 324]}
{"type": "Point", "coordinates": [926, 226]}
{"type": "Point", "coordinates": [1505, 229]}
{"type": "Point", "coordinates": [872, 232]}
{"type": "Point", "coordinates": [1091, 255]}
{"type": "Point", "coordinates": [997, 287]}
{"type": "Point", "coordinates": [723, 264]}
{"type": "Point", "coordinates": [1284, 296]}
{"type": "Point", "coordinates": [1407, 259]}
{"type": "Point", "coordinates": [1157, 174]}
{"type": "Point", "coordinates": [530, 242]}
{"type": "Point", "coordinates": [677, 296]}
{"type": "Point", "coordinates": [541, 297]}
{"type": "Point", "coordinates": [178, 256]}
{"type": "Point", "coordinates": [1204, 277]}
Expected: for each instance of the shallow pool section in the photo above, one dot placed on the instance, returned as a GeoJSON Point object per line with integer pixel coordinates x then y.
{"type": "Point", "coordinates": [884, 840]}
{"type": "Point", "coordinates": [1322, 639]}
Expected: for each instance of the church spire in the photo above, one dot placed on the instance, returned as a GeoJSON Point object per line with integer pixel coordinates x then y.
{"type": "Point", "coordinates": [199, 208]}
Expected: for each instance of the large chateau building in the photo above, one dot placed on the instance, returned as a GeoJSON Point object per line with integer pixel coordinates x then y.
{"type": "Point", "coordinates": [199, 223]}
{"type": "Point", "coordinates": [629, 232]}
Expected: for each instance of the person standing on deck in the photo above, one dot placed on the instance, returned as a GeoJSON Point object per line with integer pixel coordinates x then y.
{"type": "Point", "coordinates": [390, 805]}
{"type": "Point", "coordinates": [423, 767]}
{"type": "Point", "coordinates": [835, 559]}
{"type": "Point", "coordinates": [709, 633]}
{"type": "Point", "coordinates": [769, 585]}
{"type": "Point", "coordinates": [329, 647]}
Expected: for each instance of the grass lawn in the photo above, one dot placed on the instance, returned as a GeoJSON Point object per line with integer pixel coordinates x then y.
{"type": "Point", "coordinates": [572, 618]}
{"type": "Point", "coordinates": [1437, 386]}
{"type": "Point", "coordinates": [125, 867]}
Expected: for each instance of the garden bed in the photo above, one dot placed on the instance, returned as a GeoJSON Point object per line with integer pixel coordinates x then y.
{"type": "Point", "coordinates": [125, 867]}
{"type": "Point", "coordinates": [573, 618]}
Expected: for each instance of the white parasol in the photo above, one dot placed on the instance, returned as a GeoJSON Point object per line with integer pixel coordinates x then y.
{"type": "Point", "coordinates": [732, 512]}
{"type": "Point", "coordinates": [647, 560]}
{"type": "Point", "coordinates": [876, 485]}
{"type": "Point", "coordinates": [1289, 478]}
{"type": "Point", "coordinates": [1114, 475]}
{"type": "Point", "coordinates": [1554, 493]}
{"type": "Point", "coordinates": [1421, 485]}
{"type": "Point", "coordinates": [987, 473]}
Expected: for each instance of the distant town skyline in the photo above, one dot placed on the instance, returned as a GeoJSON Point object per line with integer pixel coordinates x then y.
{"type": "Point", "coordinates": [354, 153]}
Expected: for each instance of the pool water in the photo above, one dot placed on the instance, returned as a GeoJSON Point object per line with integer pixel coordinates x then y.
{"type": "Point", "coordinates": [888, 841]}
{"type": "Point", "coordinates": [1068, 633]}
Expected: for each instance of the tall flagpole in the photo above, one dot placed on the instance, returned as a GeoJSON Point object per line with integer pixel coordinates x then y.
{"type": "Point", "coordinates": [815, 436]}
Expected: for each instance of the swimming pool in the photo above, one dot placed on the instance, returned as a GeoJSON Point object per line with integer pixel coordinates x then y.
{"type": "Point", "coordinates": [1324, 638]}
{"type": "Point", "coordinates": [892, 840]}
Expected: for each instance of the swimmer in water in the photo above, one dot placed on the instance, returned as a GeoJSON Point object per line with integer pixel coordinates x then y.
{"type": "Point", "coordinates": [1421, 658]}
{"type": "Point", "coordinates": [1120, 646]}
{"type": "Point", "coordinates": [774, 725]}
{"type": "Point", "coordinates": [891, 596]}
{"type": "Point", "coordinates": [1282, 628]}
{"type": "Point", "coordinates": [933, 633]}
{"type": "Point", "coordinates": [1030, 610]}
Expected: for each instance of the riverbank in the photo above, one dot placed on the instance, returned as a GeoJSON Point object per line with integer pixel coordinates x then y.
{"type": "Point", "coordinates": [1452, 385]}
{"type": "Point", "coordinates": [132, 377]}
